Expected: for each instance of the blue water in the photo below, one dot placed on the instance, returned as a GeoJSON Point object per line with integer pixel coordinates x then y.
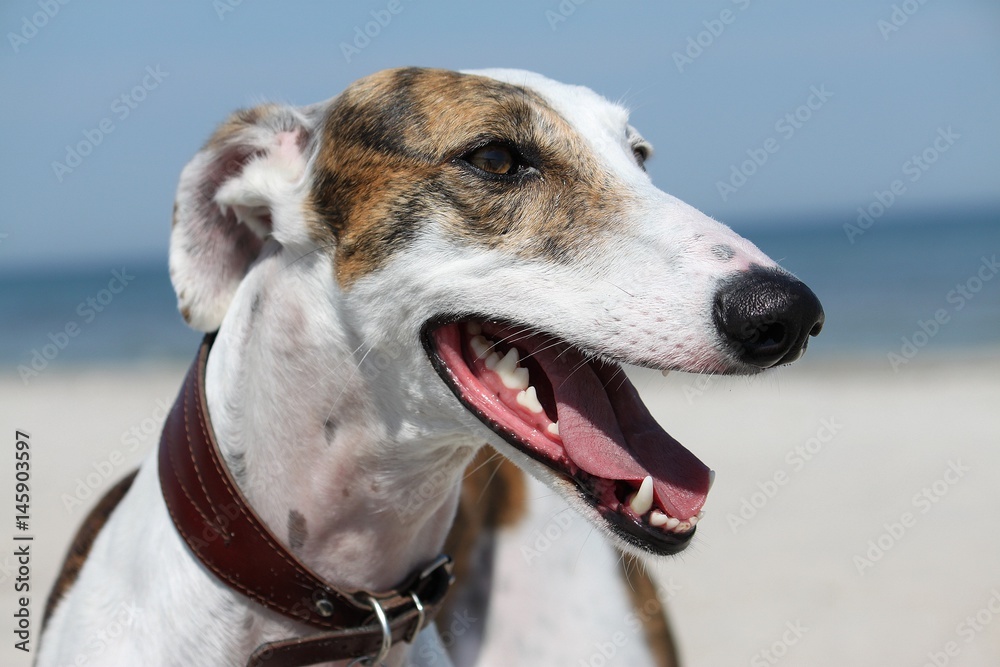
{"type": "Point", "coordinates": [875, 291]}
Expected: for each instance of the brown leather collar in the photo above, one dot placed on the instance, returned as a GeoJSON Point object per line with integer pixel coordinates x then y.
{"type": "Point", "coordinates": [226, 535]}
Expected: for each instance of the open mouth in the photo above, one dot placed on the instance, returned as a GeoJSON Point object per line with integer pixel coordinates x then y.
{"type": "Point", "coordinates": [581, 417]}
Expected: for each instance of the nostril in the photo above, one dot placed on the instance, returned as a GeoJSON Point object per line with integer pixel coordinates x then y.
{"type": "Point", "coordinates": [770, 334]}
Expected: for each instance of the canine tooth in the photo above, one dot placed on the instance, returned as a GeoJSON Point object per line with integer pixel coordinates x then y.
{"type": "Point", "coordinates": [658, 518]}
{"type": "Point", "coordinates": [553, 428]}
{"type": "Point", "coordinates": [642, 501]}
{"type": "Point", "coordinates": [480, 346]}
{"type": "Point", "coordinates": [694, 520]}
{"type": "Point", "coordinates": [492, 359]}
{"type": "Point", "coordinates": [529, 399]}
{"type": "Point", "coordinates": [516, 379]}
{"type": "Point", "coordinates": [473, 328]}
{"type": "Point", "coordinates": [711, 479]}
{"type": "Point", "coordinates": [672, 523]}
{"type": "Point", "coordinates": [508, 363]}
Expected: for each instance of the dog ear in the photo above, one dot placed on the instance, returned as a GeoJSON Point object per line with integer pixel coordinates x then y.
{"type": "Point", "coordinates": [239, 190]}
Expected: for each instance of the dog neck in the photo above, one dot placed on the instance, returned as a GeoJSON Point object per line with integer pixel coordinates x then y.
{"type": "Point", "coordinates": [339, 471]}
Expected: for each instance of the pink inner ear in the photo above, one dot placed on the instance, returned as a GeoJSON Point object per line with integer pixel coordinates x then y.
{"type": "Point", "coordinates": [290, 144]}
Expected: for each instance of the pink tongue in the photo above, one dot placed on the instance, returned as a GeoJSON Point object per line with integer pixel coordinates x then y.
{"type": "Point", "coordinates": [608, 432]}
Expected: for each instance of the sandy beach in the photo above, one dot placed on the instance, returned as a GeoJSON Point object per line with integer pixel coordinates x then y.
{"type": "Point", "coordinates": [853, 520]}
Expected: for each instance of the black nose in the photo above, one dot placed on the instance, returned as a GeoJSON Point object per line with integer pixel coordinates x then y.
{"type": "Point", "coordinates": [766, 316]}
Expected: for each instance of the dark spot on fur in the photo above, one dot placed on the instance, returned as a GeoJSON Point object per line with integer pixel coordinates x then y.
{"type": "Point", "coordinates": [330, 429]}
{"type": "Point", "coordinates": [255, 306]}
{"type": "Point", "coordinates": [723, 252]}
{"type": "Point", "coordinates": [237, 466]}
{"type": "Point", "coordinates": [297, 532]}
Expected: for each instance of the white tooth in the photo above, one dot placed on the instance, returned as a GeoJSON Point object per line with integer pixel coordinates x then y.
{"type": "Point", "coordinates": [711, 479]}
{"type": "Point", "coordinates": [492, 359]}
{"type": "Point", "coordinates": [658, 518]}
{"type": "Point", "coordinates": [642, 502]}
{"type": "Point", "coordinates": [672, 523]}
{"type": "Point", "coordinates": [516, 379]}
{"type": "Point", "coordinates": [665, 373]}
{"type": "Point", "coordinates": [683, 526]}
{"type": "Point", "coordinates": [509, 361]}
{"type": "Point", "coordinates": [480, 346]}
{"type": "Point", "coordinates": [473, 328]}
{"type": "Point", "coordinates": [554, 428]}
{"type": "Point", "coordinates": [694, 520]}
{"type": "Point", "coordinates": [529, 399]}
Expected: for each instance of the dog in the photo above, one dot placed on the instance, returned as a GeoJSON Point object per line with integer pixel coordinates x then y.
{"type": "Point", "coordinates": [429, 261]}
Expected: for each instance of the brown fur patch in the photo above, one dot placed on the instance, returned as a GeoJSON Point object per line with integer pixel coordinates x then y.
{"type": "Point", "coordinates": [493, 496]}
{"type": "Point", "coordinates": [651, 612]}
{"type": "Point", "coordinates": [83, 541]}
{"type": "Point", "coordinates": [297, 532]}
{"type": "Point", "coordinates": [390, 161]}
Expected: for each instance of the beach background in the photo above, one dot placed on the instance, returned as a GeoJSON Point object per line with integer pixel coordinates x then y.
{"type": "Point", "coordinates": [854, 518]}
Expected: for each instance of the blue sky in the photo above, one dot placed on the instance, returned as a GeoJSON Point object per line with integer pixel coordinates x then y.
{"type": "Point", "coordinates": [885, 81]}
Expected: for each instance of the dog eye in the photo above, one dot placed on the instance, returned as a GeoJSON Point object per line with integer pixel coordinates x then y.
{"type": "Point", "coordinates": [495, 158]}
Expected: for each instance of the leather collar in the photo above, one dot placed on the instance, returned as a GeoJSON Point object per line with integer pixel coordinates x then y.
{"type": "Point", "coordinates": [228, 537]}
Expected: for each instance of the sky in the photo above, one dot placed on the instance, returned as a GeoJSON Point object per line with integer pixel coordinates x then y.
{"type": "Point", "coordinates": [791, 113]}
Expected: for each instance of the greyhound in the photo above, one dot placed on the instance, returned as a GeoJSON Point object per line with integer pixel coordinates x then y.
{"type": "Point", "coordinates": [429, 261]}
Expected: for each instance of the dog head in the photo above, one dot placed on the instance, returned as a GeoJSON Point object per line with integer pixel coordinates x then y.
{"type": "Point", "coordinates": [495, 234]}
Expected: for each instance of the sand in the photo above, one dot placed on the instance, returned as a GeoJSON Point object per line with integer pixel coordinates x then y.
{"type": "Point", "coordinates": [854, 519]}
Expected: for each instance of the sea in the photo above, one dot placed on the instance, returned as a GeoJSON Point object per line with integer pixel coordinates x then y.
{"type": "Point", "coordinates": [927, 279]}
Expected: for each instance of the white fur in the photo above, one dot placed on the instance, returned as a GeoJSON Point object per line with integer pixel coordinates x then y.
{"type": "Point", "coordinates": [294, 351]}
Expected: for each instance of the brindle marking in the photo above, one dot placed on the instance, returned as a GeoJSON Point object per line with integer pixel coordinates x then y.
{"type": "Point", "coordinates": [390, 162]}
{"type": "Point", "coordinates": [493, 496]}
{"type": "Point", "coordinates": [650, 611]}
{"type": "Point", "coordinates": [83, 541]}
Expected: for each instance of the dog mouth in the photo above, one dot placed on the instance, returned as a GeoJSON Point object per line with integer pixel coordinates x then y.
{"type": "Point", "coordinates": [581, 417]}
